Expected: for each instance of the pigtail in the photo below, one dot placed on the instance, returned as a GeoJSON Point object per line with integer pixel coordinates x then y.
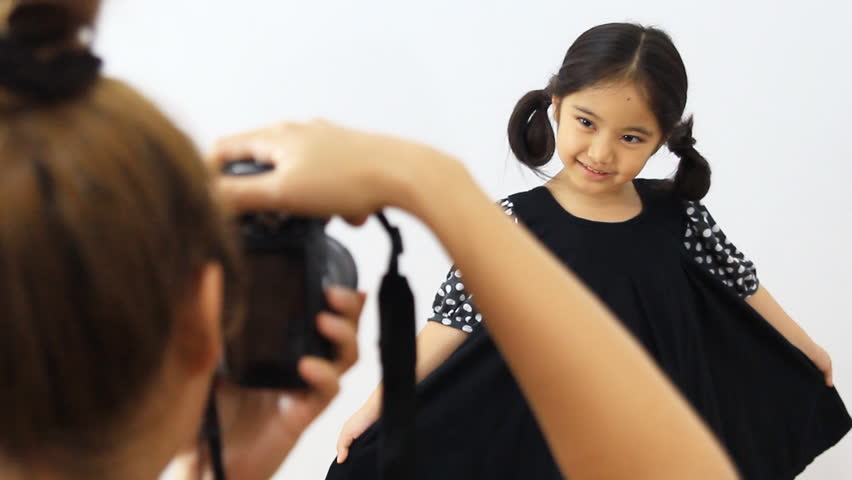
{"type": "Point", "coordinates": [692, 179]}
{"type": "Point", "coordinates": [531, 135]}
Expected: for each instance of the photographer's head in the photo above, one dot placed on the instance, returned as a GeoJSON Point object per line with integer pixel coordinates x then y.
{"type": "Point", "coordinates": [112, 257]}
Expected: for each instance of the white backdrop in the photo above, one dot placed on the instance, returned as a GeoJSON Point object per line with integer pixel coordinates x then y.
{"type": "Point", "coordinates": [769, 89]}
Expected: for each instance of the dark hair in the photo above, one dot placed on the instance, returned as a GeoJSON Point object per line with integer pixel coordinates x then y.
{"type": "Point", "coordinates": [610, 53]}
{"type": "Point", "coordinates": [106, 222]}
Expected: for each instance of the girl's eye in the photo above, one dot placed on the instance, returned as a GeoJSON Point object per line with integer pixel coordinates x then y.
{"type": "Point", "coordinates": [631, 139]}
{"type": "Point", "coordinates": [585, 122]}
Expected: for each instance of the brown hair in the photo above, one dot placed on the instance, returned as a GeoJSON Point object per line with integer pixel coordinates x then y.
{"type": "Point", "coordinates": [106, 220]}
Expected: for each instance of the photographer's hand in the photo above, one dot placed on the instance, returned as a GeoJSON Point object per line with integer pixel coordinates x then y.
{"type": "Point", "coordinates": [260, 427]}
{"type": "Point", "coordinates": [323, 169]}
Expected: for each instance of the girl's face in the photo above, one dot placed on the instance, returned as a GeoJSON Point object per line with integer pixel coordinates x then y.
{"type": "Point", "coordinates": [605, 136]}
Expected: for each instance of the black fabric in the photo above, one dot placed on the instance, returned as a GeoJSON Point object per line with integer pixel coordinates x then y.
{"type": "Point", "coordinates": [472, 422]}
{"type": "Point", "coordinates": [765, 400]}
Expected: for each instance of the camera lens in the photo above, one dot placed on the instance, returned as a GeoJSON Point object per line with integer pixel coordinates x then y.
{"type": "Point", "coordinates": [340, 266]}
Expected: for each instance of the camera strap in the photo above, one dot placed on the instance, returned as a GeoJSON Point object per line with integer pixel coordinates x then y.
{"type": "Point", "coordinates": [398, 358]}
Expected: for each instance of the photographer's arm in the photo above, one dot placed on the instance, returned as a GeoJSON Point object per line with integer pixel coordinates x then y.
{"type": "Point", "coordinates": [604, 407]}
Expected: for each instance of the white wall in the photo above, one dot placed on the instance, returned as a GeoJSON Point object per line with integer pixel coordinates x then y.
{"type": "Point", "coordinates": [770, 93]}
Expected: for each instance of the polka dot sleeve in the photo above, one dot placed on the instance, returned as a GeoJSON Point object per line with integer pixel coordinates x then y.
{"type": "Point", "coordinates": [453, 305]}
{"type": "Point", "coordinates": [711, 249]}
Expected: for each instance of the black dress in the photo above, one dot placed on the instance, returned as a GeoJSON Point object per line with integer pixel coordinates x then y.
{"type": "Point", "coordinates": [679, 286]}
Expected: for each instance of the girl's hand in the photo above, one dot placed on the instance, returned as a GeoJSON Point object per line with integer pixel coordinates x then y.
{"type": "Point", "coordinates": [822, 360]}
{"type": "Point", "coordinates": [260, 427]}
{"type": "Point", "coordinates": [354, 428]}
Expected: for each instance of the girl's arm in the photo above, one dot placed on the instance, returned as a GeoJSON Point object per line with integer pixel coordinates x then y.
{"type": "Point", "coordinates": [725, 261]}
{"type": "Point", "coordinates": [435, 343]}
{"type": "Point", "coordinates": [763, 302]}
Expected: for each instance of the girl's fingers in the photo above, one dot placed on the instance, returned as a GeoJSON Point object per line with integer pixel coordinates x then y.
{"type": "Point", "coordinates": [343, 444]}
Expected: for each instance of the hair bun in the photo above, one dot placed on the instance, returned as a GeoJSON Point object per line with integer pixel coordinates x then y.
{"type": "Point", "coordinates": [39, 25]}
{"type": "Point", "coordinates": [65, 70]}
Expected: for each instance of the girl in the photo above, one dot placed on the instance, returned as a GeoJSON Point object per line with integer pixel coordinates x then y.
{"type": "Point", "coordinates": [653, 253]}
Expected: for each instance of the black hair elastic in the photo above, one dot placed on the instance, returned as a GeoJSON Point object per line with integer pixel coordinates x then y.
{"type": "Point", "coordinates": [29, 68]}
{"type": "Point", "coordinates": [64, 75]}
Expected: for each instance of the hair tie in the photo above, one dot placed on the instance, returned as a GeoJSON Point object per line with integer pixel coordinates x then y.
{"type": "Point", "coordinates": [681, 144]}
{"type": "Point", "coordinates": [545, 100]}
{"type": "Point", "coordinates": [62, 76]}
{"type": "Point", "coordinates": [45, 54]}
{"type": "Point", "coordinates": [681, 140]}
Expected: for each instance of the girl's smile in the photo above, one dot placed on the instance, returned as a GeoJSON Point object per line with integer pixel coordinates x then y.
{"type": "Point", "coordinates": [594, 174]}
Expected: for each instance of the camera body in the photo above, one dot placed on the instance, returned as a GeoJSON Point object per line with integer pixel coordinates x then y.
{"type": "Point", "coordinates": [290, 261]}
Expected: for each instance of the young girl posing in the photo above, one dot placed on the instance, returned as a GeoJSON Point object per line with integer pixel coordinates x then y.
{"type": "Point", "coordinates": [652, 253]}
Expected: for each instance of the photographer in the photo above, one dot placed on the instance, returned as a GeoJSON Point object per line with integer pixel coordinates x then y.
{"type": "Point", "coordinates": [119, 280]}
{"type": "Point", "coordinates": [117, 270]}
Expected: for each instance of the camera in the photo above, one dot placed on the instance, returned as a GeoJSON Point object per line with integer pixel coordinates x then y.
{"type": "Point", "coordinates": [290, 261]}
